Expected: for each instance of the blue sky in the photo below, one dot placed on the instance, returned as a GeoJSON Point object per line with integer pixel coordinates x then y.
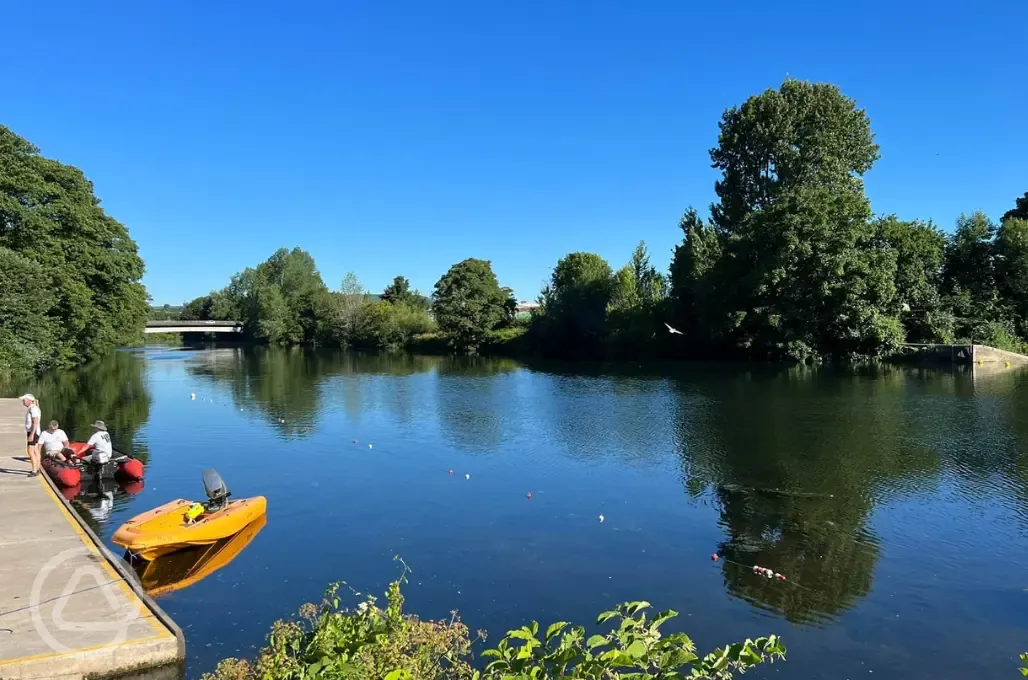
{"type": "Point", "coordinates": [400, 137]}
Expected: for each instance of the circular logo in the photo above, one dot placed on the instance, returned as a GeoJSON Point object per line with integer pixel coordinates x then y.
{"type": "Point", "coordinates": [88, 594]}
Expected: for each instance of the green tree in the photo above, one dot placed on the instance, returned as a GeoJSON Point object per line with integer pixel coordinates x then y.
{"type": "Point", "coordinates": [468, 303]}
{"type": "Point", "coordinates": [1011, 261]}
{"type": "Point", "coordinates": [1020, 209]}
{"type": "Point", "coordinates": [638, 293]}
{"type": "Point", "coordinates": [398, 291]}
{"type": "Point", "coordinates": [27, 334]}
{"type": "Point", "coordinates": [798, 276]}
{"type": "Point", "coordinates": [50, 215]}
{"type": "Point", "coordinates": [575, 304]}
{"type": "Point", "coordinates": [920, 251]}
{"type": "Point", "coordinates": [690, 279]}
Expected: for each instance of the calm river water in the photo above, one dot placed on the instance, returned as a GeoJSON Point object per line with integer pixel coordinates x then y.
{"type": "Point", "coordinates": [895, 501]}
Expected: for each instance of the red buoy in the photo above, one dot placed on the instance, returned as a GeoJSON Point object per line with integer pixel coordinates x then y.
{"type": "Point", "coordinates": [714, 557]}
{"type": "Point", "coordinates": [528, 495]}
{"type": "Point", "coordinates": [451, 472]}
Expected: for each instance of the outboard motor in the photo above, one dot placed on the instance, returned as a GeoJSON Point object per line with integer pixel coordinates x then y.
{"type": "Point", "coordinates": [217, 490]}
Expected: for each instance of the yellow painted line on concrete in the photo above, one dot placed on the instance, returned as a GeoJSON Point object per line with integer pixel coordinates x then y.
{"type": "Point", "coordinates": [143, 611]}
{"type": "Point", "coordinates": [75, 652]}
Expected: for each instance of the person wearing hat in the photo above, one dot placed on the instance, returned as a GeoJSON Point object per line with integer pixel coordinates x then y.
{"type": "Point", "coordinates": [100, 449]}
{"type": "Point", "coordinates": [32, 430]}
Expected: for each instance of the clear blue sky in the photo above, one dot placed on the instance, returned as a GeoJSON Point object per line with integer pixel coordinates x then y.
{"type": "Point", "coordinates": [400, 137]}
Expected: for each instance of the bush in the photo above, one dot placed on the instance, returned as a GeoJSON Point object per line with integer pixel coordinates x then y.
{"type": "Point", "coordinates": [329, 643]}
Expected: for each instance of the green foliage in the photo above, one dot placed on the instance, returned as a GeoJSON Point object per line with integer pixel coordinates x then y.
{"type": "Point", "coordinates": [1012, 266]}
{"type": "Point", "coordinates": [399, 291]}
{"type": "Point", "coordinates": [1024, 657]}
{"type": "Point", "coordinates": [27, 334]}
{"type": "Point", "coordinates": [801, 135]}
{"type": "Point", "coordinates": [1020, 209]}
{"type": "Point", "coordinates": [638, 293]}
{"type": "Point", "coordinates": [329, 643]}
{"type": "Point", "coordinates": [574, 318]}
{"type": "Point", "coordinates": [635, 648]}
{"type": "Point", "coordinates": [690, 281]}
{"type": "Point", "coordinates": [164, 313]}
{"type": "Point", "coordinates": [86, 260]}
{"type": "Point", "coordinates": [920, 252]}
{"type": "Point", "coordinates": [468, 303]}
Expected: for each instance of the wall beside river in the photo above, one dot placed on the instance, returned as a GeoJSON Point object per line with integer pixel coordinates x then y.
{"type": "Point", "coordinates": [893, 498]}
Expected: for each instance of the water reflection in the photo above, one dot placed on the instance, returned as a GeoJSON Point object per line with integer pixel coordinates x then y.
{"type": "Point", "coordinates": [854, 484]}
{"type": "Point", "coordinates": [184, 568]}
{"type": "Point", "coordinates": [113, 389]}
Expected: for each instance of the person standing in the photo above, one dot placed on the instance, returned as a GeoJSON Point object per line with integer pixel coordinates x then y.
{"type": "Point", "coordinates": [32, 431]}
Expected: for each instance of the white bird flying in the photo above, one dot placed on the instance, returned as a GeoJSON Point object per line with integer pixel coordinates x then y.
{"type": "Point", "coordinates": [673, 331]}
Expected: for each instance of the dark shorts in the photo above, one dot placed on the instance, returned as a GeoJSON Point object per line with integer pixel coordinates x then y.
{"type": "Point", "coordinates": [33, 438]}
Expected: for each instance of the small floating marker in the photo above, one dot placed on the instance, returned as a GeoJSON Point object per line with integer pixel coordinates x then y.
{"type": "Point", "coordinates": [467, 476]}
{"type": "Point", "coordinates": [528, 495]}
{"type": "Point", "coordinates": [601, 518]}
{"type": "Point", "coordinates": [780, 577]}
{"type": "Point", "coordinates": [354, 441]}
{"type": "Point", "coordinates": [451, 472]}
{"type": "Point", "coordinates": [369, 446]}
{"type": "Point", "coordinates": [714, 557]}
{"type": "Point", "coordinates": [192, 395]}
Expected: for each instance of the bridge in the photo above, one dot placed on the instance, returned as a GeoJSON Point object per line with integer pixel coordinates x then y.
{"type": "Point", "coordinates": [193, 327]}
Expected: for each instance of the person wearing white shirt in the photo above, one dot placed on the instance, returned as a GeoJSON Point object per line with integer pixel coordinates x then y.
{"type": "Point", "coordinates": [32, 431]}
{"type": "Point", "coordinates": [99, 445]}
{"type": "Point", "coordinates": [54, 441]}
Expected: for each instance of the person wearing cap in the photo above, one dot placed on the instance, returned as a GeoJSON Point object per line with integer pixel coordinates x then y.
{"type": "Point", "coordinates": [32, 431]}
{"type": "Point", "coordinates": [100, 449]}
{"type": "Point", "coordinates": [54, 442]}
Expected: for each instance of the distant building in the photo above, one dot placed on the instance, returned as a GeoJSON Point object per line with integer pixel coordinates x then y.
{"type": "Point", "coordinates": [526, 308]}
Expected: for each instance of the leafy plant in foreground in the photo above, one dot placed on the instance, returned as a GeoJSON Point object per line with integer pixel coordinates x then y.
{"type": "Point", "coordinates": [634, 649]}
{"type": "Point", "coordinates": [329, 643]}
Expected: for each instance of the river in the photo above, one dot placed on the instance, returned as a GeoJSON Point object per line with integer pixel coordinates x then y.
{"type": "Point", "coordinates": [895, 501]}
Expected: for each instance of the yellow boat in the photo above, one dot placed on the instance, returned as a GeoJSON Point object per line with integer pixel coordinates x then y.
{"type": "Point", "coordinates": [184, 568]}
{"type": "Point", "coordinates": [181, 523]}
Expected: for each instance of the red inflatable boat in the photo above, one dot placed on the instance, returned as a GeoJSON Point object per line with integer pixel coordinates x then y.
{"type": "Point", "coordinates": [120, 467]}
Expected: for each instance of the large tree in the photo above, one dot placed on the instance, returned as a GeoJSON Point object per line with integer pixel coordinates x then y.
{"type": "Point", "coordinates": [283, 299]}
{"type": "Point", "coordinates": [1020, 209]}
{"type": "Point", "coordinates": [468, 303]}
{"type": "Point", "coordinates": [89, 264]}
{"type": "Point", "coordinates": [575, 303]}
{"type": "Point", "coordinates": [798, 276]}
{"type": "Point", "coordinates": [920, 251]}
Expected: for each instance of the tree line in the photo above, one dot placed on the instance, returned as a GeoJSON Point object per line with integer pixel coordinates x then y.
{"type": "Point", "coordinates": [70, 275]}
{"type": "Point", "coordinates": [789, 263]}
{"type": "Point", "coordinates": [284, 300]}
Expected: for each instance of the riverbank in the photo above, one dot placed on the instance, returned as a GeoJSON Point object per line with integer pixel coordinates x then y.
{"type": "Point", "coordinates": [71, 609]}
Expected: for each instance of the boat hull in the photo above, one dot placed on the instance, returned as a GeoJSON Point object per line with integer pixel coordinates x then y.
{"type": "Point", "coordinates": [165, 529]}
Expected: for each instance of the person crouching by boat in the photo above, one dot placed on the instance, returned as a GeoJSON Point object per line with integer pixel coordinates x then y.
{"type": "Point", "coordinates": [100, 449]}
{"type": "Point", "coordinates": [32, 417]}
{"type": "Point", "coordinates": [54, 443]}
